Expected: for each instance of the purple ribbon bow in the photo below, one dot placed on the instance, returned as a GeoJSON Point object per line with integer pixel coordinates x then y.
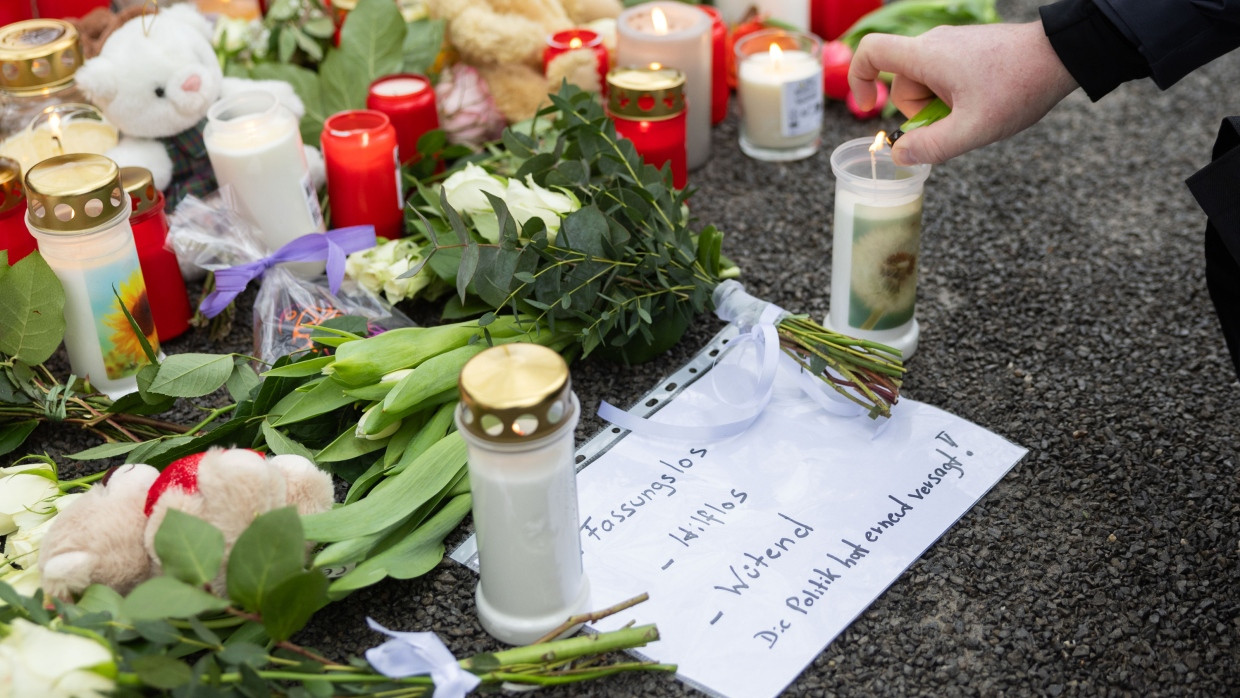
{"type": "Point", "coordinates": [331, 247]}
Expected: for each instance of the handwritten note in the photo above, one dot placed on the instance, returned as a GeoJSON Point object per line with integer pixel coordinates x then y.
{"type": "Point", "coordinates": [757, 551]}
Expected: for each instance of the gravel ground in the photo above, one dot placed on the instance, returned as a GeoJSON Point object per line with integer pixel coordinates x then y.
{"type": "Point", "coordinates": [1063, 306]}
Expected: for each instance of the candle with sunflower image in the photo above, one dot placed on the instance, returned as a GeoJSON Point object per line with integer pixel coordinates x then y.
{"type": "Point", "coordinates": [875, 245]}
{"type": "Point", "coordinates": [79, 213]}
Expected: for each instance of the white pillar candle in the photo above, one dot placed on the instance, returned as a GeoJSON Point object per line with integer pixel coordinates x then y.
{"type": "Point", "coordinates": [875, 245]}
{"type": "Point", "coordinates": [792, 12]}
{"type": "Point", "coordinates": [256, 152]}
{"type": "Point", "coordinates": [685, 44]}
{"type": "Point", "coordinates": [518, 415]}
{"type": "Point", "coordinates": [779, 87]}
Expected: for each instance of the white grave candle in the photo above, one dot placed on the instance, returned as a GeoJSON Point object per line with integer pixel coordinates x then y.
{"type": "Point", "coordinates": [875, 245]}
{"type": "Point", "coordinates": [675, 35]}
{"type": "Point", "coordinates": [780, 94]}
{"type": "Point", "coordinates": [255, 149]}
{"type": "Point", "coordinates": [792, 12]}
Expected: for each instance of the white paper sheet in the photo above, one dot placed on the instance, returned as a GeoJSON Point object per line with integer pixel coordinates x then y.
{"type": "Point", "coordinates": [757, 551]}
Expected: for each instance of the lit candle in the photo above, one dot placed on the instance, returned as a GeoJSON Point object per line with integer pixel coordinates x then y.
{"type": "Point", "coordinates": [875, 244]}
{"type": "Point", "coordinates": [719, 91]}
{"type": "Point", "coordinates": [573, 40]}
{"type": "Point", "coordinates": [15, 238]}
{"type": "Point", "coordinates": [678, 36]}
{"type": "Point", "coordinates": [256, 152]}
{"type": "Point", "coordinates": [59, 130]}
{"type": "Point", "coordinates": [779, 85]}
{"type": "Point", "coordinates": [363, 172]}
{"type": "Point", "coordinates": [80, 215]}
{"type": "Point", "coordinates": [517, 415]}
{"type": "Point", "coordinates": [39, 58]}
{"type": "Point", "coordinates": [160, 269]}
{"type": "Point", "coordinates": [792, 12]}
{"type": "Point", "coordinates": [647, 106]}
{"type": "Point", "coordinates": [409, 103]}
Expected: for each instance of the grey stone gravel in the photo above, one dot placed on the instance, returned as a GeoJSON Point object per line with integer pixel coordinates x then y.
{"type": "Point", "coordinates": [1063, 306]}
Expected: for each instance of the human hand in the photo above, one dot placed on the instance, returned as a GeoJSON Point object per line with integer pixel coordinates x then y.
{"type": "Point", "coordinates": [999, 79]}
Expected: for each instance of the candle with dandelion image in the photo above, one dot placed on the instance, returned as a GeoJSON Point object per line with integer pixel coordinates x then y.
{"type": "Point", "coordinates": [875, 245]}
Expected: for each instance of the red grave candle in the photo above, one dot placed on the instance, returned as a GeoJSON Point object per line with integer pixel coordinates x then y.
{"type": "Point", "coordinates": [363, 172]}
{"type": "Point", "coordinates": [719, 90]}
{"type": "Point", "coordinates": [15, 11]}
{"type": "Point", "coordinates": [562, 42]}
{"type": "Point", "coordinates": [831, 18]}
{"type": "Point", "coordinates": [67, 9]}
{"type": "Point", "coordinates": [409, 103]}
{"type": "Point", "coordinates": [647, 104]}
{"type": "Point", "coordinates": [165, 287]}
{"type": "Point", "coordinates": [15, 237]}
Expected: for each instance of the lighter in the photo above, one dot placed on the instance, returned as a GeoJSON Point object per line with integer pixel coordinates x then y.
{"type": "Point", "coordinates": [932, 112]}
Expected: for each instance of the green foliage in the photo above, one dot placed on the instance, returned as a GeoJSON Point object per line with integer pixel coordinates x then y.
{"type": "Point", "coordinates": [912, 17]}
{"type": "Point", "coordinates": [32, 320]}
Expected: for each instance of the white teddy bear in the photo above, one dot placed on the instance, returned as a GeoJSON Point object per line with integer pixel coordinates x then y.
{"type": "Point", "coordinates": [154, 79]}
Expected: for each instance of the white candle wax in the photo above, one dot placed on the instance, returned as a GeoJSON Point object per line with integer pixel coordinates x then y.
{"type": "Point", "coordinates": [780, 98]}
{"type": "Point", "coordinates": [256, 151]}
{"type": "Point", "coordinates": [30, 147]}
{"type": "Point", "coordinates": [793, 12]}
{"type": "Point", "coordinates": [398, 87]}
{"type": "Point", "coordinates": [686, 46]}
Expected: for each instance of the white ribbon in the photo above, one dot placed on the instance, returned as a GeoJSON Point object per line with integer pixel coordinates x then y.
{"type": "Point", "coordinates": [413, 654]}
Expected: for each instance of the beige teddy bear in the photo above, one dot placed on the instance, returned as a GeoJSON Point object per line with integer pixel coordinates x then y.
{"type": "Point", "coordinates": [504, 40]}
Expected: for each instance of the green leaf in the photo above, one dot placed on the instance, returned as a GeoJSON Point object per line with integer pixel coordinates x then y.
{"type": "Point", "coordinates": [104, 451]}
{"type": "Point", "coordinates": [101, 599]}
{"type": "Point", "coordinates": [309, 367]}
{"type": "Point", "coordinates": [244, 653]}
{"type": "Point", "coordinates": [347, 446]}
{"type": "Point", "coordinates": [423, 41]}
{"type": "Point", "coordinates": [189, 548]}
{"type": "Point", "coordinates": [374, 36]}
{"type": "Point", "coordinates": [291, 603]}
{"type": "Point", "coordinates": [465, 272]}
{"type": "Point", "coordinates": [321, 27]}
{"type": "Point", "coordinates": [13, 434]}
{"type": "Point", "coordinates": [268, 552]}
{"type": "Point", "coordinates": [161, 671]}
{"type": "Point", "coordinates": [32, 317]}
{"type": "Point", "coordinates": [242, 381]}
{"type": "Point", "coordinates": [286, 44]}
{"type": "Point", "coordinates": [192, 375]}
{"type": "Point", "coordinates": [327, 396]}
{"type": "Point", "coordinates": [166, 597]}
{"type": "Point", "coordinates": [149, 451]}
{"type": "Point", "coordinates": [281, 444]}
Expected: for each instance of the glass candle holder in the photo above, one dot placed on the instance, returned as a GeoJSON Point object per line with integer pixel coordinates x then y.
{"type": "Point", "coordinates": [578, 39]}
{"type": "Point", "coordinates": [719, 91]}
{"type": "Point", "coordinates": [517, 415]}
{"type": "Point", "coordinates": [15, 238]}
{"type": "Point", "coordinates": [647, 105]}
{"type": "Point", "coordinates": [363, 172]}
{"type": "Point", "coordinates": [79, 213]}
{"type": "Point", "coordinates": [676, 35]}
{"type": "Point", "coordinates": [779, 85]}
{"type": "Point", "coordinates": [38, 59]}
{"type": "Point", "coordinates": [61, 129]}
{"type": "Point", "coordinates": [875, 245]}
{"type": "Point", "coordinates": [256, 152]}
{"type": "Point", "coordinates": [409, 102]}
{"type": "Point", "coordinates": [160, 269]}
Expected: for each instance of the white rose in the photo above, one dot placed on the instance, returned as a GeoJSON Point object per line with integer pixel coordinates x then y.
{"type": "Point", "coordinates": [464, 189]}
{"type": "Point", "coordinates": [35, 661]}
{"type": "Point", "coordinates": [231, 35]}
{"type": "Point", "coordinates": [26, 491]}
{"type": "Point", "coordinates": [528, 200]}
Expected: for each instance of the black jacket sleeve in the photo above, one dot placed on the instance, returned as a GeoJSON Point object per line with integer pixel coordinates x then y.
{"type": "Point", "coordinates": [1106, 42]}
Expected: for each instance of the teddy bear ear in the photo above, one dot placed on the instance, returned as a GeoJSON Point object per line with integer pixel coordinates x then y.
{"type": "Point", "coordinates": [185, 13]}
{"type": "Point", "coordinates": [97, 78]}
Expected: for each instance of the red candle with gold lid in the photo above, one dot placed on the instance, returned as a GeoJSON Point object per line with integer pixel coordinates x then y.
{"type": "Point", "coordinates": [363, 172]}
{"type": "Point", "coordinates": [567, 40]}
{"type": "Point", "coordinates": [647, 105]}
{"type": "Point", "coordinates": [165, 287]}
{"type": "Point", "coordinates": [409, 103]}
{"type": "Point", "coordinates": [719, 90]}
{"type": "Point", "coordinates": [15, 237]}
{"type": "Point", "coordinates": [15, 11]}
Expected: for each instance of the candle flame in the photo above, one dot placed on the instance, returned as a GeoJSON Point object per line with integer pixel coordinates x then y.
{"type": "Point", "coordinates": [659, 20]}
{"type": "Point", "coordinates": [777, 54]}
{"type": "Point", "coordinates": [53, 123]}
{"type": "Point", "coordinates": [879, 140]}
{"type": "Point", "coordinates": [656, 66]}
{"type": "Point", "coordinates": [574, 42]}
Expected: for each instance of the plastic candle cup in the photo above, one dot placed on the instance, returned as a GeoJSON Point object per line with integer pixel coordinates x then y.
{"type": "Point", "coordinates": [38, 61]}
{"type": "Point", "coordinates": [162, 273]}
{"type": "Point", "coordinates": [80, 216]}
{"type": "Point", "coordinates": [779, 85]}
{"type": "Point", "coordinates": [363, 172]}
{"type": "Point", "coordinates": [678, 36]}
{"type": "Point", "coordinates": [719, 91]}
{"type": "Point", "coordinates": [15, 239]}
{"type": "Point", "coordinates": [409, 102]}
{"type": "Point", "coordinates": [61, 129]}
{"type": "Point", "coordinates": [517, 415]}
{"type": "Point", "coordinates": [255, 149]}
{"type": "Point", "coordinates": [568, 40]}
{"type": "Point", "coordinates": [647, 105]}
{"type": "Point", "coordinates": [875, 245]}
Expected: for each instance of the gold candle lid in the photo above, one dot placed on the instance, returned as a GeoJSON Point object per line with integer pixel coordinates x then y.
{"type": "Point", "coordinates": [11, 194]}
{"type": "Point", "coordinates": [140, 185]}
{"type": "Point", "coordinates": [75, 193]}
{"type": "Point", "coordinates": [346, 5]}
{"type": "Point", "coordinates": [37, 54]}
{"type": "Point", "coordinates": [652, 92]}
{"type": "Point", "coordinates": [515, 392]}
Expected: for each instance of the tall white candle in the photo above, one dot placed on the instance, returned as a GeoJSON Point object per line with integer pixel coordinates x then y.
{"type": "Point", "coordinates": [875, 246]}
{"type": "Point", "coordinates": [793, 12]}
{"type": "Point", "coordinates": [256, 151]}
{"type": "Point", "coordinates": [779, 86]}
{"type": "Point", "coordinates": [683, 43]}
